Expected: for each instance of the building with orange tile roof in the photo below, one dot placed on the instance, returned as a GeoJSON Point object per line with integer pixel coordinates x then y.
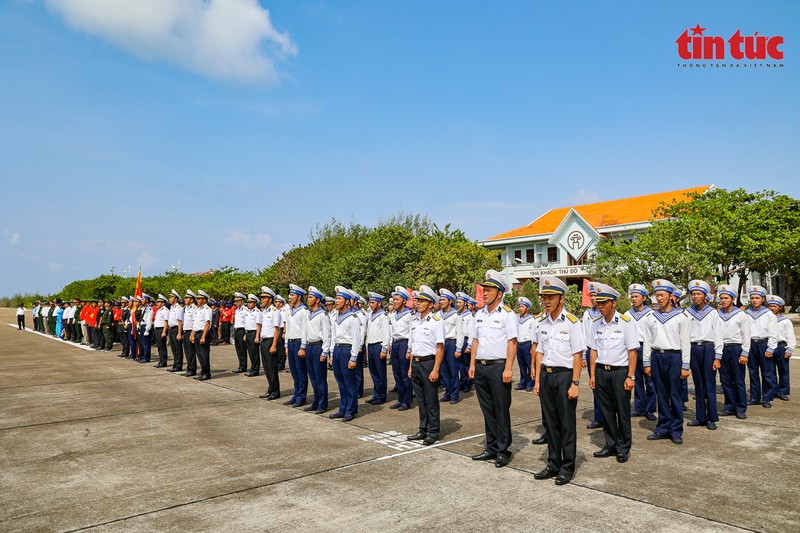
{"type": "Point", "coordinates": [559, 241]}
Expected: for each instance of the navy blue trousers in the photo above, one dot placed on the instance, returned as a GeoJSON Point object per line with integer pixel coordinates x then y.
{"type": "Point", "coordinates": [666, 370]}
{"type": "Point", "coordinates": [731, 375]}
{"type": "Point", "coordinates": [299, 371]}
{"type": "Point", "coordinates": [465, 384]}
{"type": "Point", "coordinates": [362, 355]}
{"type": "Point", "coordinates": [644, 393]}
{"type": "Point", "coordinates": [765, 386]}
{"type": "Point", "coordinates": [346, 379]}
{"type": "Point", "coordinates": [524, 362]}
{"type": "Point", "coordinates": [598, 413]}
{"type": "Point", "coordinates": [405, 393]}
{"type": "Point", "coordinates": [377, 369]}
{"type": "Point", "coordinates": [133, 344]}
{"type": "Point", "coordinates": [144, 345]}
{"type": "Point", "coordinates": [705, 382]}
{"type": "Point", "coordinates": [782, 366]}
{"type": "Point", "coordinates": [450, 368]}
{"type": "Point", "coordinates": [317, 375]}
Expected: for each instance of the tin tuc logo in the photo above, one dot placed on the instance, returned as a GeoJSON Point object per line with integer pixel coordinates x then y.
{"type": "Point", "coordinates": [738, 46]}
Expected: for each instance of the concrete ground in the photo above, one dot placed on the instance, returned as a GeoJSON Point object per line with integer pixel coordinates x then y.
{"type": "Point", "coordinates": [92, 441]}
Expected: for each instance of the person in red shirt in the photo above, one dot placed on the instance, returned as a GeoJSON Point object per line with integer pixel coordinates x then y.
{"type": "Point", "coordinates": [225, 319]}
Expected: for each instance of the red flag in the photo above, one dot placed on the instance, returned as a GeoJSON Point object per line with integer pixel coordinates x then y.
{"type": "Point", "coordinates": [586, 298]}
{"type": "Point", "coordinates": [137, 292]}
{"type": "Point", "coordinates": [410, 302]}
{"type": "Point", "coordinates": [479, 295]}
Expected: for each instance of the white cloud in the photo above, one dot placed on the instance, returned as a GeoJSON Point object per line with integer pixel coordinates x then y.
{"type": "Point", "coordinates": [147, 260]}
{"type": "Point", "coordinates": [228, 39]}
{"type": "Point", "coordinates": [584, 196]}
{"type": "Point", "coordinates": [12, 236]}
{"type": "Point", "coordinates": [249, 240]}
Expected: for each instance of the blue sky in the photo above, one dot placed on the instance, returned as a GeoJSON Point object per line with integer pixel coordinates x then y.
{"type": "Point", "coordinates": [222, 133]}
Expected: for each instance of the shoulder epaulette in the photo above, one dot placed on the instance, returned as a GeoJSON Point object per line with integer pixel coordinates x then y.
{"type": "Point", "coordinates": [507, 308]}
{"type": "Point", "coordinates": [595, 319]}
{"type": "Point", "coordinates": [626, 318]}
{"type": "Point", "coordinates": [435, 317]}
{"type": "Point", "coordinates": [571, 318]}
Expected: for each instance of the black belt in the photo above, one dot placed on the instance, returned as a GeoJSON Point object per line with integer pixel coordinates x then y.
{"type": "Point", "coordinates": [611, 368]}
{"type": "Point", "coordinates": [450, 339]}
{"type": "Point", "coordinates": [315, 343]}
{"type": "Point", "coordinates": [782, 342]}
{"type": "Point", "coordinates": [701, 343]}
{"type": "Point", "coordinates": [237, 329]}
{"type": "Point", "coordinates": [373, 343]}
{"type": "Point", "coordinates": [485, 362]}
{"type": "Point", "coordinates": [293, 340]}
{"type": "Point", "coordinates": [342, 345]}
{"type": "Point", "coordinates": [525, 343]}
{"type": "Point", "coordinates": [759, 339]}
{"type": "Point", "coordinates": [422, 358]}
{"type": "Point", "coordinates": [667, 352]}
{"type": "Point", "coordinates": [727, 344]}
{"type": "Point", "coordinates": [556, 369]}
{"type": "Point", "coordinates": [400, 340]}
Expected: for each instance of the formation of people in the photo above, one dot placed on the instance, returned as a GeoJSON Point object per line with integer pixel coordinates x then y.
{"type": "Point", "coordinates": [440, 340]}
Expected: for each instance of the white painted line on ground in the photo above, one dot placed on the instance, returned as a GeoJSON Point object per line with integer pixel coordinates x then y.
{"type": "Point", "coordinates": [432, 446]}
{"type": "Point", "coordinates": [29, 330]}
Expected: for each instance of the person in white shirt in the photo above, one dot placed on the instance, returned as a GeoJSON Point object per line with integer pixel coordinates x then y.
{"type": "Point", "coordinates": [346, 341]}
{"type": "Point", "coordinates": [280, 303]}
{"type": "Point", "coordinates": [21, 317]}
{"type": "Point", "coordinates": [239, 341]}
{"type": "Point", "coordinates": [763, 342]}
{"type": "Point", "coordinates": [267, 334]}
{"type": "Point", "coordinates": [524, 343]}
{"type": "Point", "coordinates": [613, 343]}
{"type": "Point", "coordinates": [160, 326]}
{"type": "Point", "coordinates": [400, 327]}
{"type": "Point", "coordinates": [296, 321]}
{"type": "Point", "coordinates": [316, 343]}
{"type": "Point", "coordinates": [706, 338]}
{"type": "Point", "coordinates": [175, 324]}
{"type": "Point", "coordinates": [644, 393]}
{"type": "Point", "coordinates": [252, 317]}
{"type": "Point", "coordinates": [667, 343]}
{"type": "Point", "coordinates": [145, 330]}
{"type": "Point", "coordinates": [453, 335]}
{"type": "Point", "coordinates": [558, 369]}
{"type": "Point", "coordinates": [785, 347]}
{"type": "Point", "coordinates": [467, 323]}
{"type": "Point", "coordinates": [736, 343]}
{"type": "Point", "coordinates": [200, 337]}
{"type": "Point", "coordinates": [588, 317]}
{"type": "Point", "coordinates": [426, 347]}
{"type": "Point", "coordinates": [378, 339]}
{"type": "Point", "coordinates": [189, 350]}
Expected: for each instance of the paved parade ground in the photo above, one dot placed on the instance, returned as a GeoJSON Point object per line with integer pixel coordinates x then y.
{"type": "Point", "coordinates": [92, 441]}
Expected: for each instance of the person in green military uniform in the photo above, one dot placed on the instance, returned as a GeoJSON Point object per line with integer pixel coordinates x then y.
{"type": "Point", "coordinates": [51, 318]}
{"type": "Point", "coordinates": [77, 321]}
{"type": "Point", "coordinates": [107, 326]}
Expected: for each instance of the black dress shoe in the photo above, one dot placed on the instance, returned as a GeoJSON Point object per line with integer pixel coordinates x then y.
{"type": "Point", "coordinates": [266, 395]}
{"type": "Point", "coordinates": [741, 416]}
{"type": "Point", "coordinates": [562, 479]}
{"type": "Point", "coordinates": [605, 452]}
{"type": "Point", "coordinates": [428, 441]}
{"type": "Point", "coordinates": [711, 425]}
{"type": "Point", "coordinates": [238, 370]}
{"type": "Point", "coordinates": [419, 435]}
{"type": "Point", "coordinates": [310, 408]}
{"type": "Point", "coordinates": [656, 436]}
{"type": "Point", "coordinates": [204, 377]}
{"type": "Point", "coordinates": [622, 458]}
{"type": "Point", "coordinates": [395, 405]}
{"type": "Point", "coordinates": [784, 397]}
{"type": "Point", "coordinates": [651, 416]}
{"type": "Point", "coordinates": [161, 365]}
{"type": "Point", "coordinates": [273, 396]}
{"type": "Point", "coordinates": [502, 460]}
{"type": "Point", "coordinates": [547, 473]}
{"type": "Point", "coordinates": [337, 414]}
{"type": "Point", "coordinates": [540, 440]}
{"type": "Point", "coordinates": [727, 413]}
{"type": "Point", "coordinates": [485, 455]}
{"type": "Point", "coordinates": [753, 402]}
{"type": "Point", "coordinates": [371, 400]}
{"type": "Point", "coordinates": [695, 423]}
{"type": "Point", "coordinates": [767, 405]}
{"type": "Point", "coordinates": [289, 402]}
{"type": "Point", "coordinates": [319, 411]}
{"type": "Point", "coordinates": [189, 374]}
{"type": "Point", "coordinates": [175, 370]}
{"type": "Point", "coordinates": [594, 425]}
{"type": "Point", "coordinates": [677, 440]}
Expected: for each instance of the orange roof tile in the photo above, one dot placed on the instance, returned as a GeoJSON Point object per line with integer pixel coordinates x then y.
{"type": "Point", "coordinates": [601, 214]}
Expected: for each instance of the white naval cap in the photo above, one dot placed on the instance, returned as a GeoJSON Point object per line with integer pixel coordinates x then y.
{"type": "Point", "coordinates": [146, 297]}
{"type": "Point", "coordinates": [699, 285]}
{"type": "Point", "coordinates": [252, 298]}
{"type": "Point", "coordinates": [162, 298]}
{"type": "Point", "coordinates": [426, 293]}
{"type": "Point", "coordinates": [444, 293]}
{"type": "Point", "coordinates": [493, 279]}
{"type": "Point", "coordinates": [175, 293]}
{"type": "Point", "coordinates": [401, 292]}
{"type": "Point", "coordinates": [552, 285]}
{"type": "Point", "coordinates": [344, 292]}
{"type": "Point", "coordinates": [664, 285]}
{"type": "Point", "coordinates": [524, 301]}
{"type": "Point", "coordinates": [603, 292]}
{"type": "Point", "coordinates": [280, 298]}
{"type": "Point", "coordinates": [592, 288]}
{"type": "Point", "coordinates": [190, 294]}
{"type": "Point", "coordinates": [267, 292]}
{"type": "Point", "coordinates": [330, 300]}
{"type": "Point", "coordinates": [296, 289]}
{"type": "Point", "coordinates": [315, 292]}
{"type": "Point", "coordinates": [462, 296]}
{"type": "Point", "coordinates": [202, 294]}
{"type": "Point", "coordinates": [638, 288]}
{"type": "Point", "coordinates": [124, 299]}
{"type": "Point", "coordinates": [375, 296]}
{"type": "Point", "coordinates": [758, 289]}
{"type": "Point", "coordinates": [238, 296]}
{"type": "Point", "coordinates": [775, 299]}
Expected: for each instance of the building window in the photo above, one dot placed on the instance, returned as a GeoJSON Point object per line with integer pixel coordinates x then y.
{"type": "Point", "coordinates": [529, 256]}
{"type": "Point", "coordinates": [552, 254]}
{"type": "Point", "coordinates": [573, 262]}
{"type": "Point", "coordinates": [518, 256]}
